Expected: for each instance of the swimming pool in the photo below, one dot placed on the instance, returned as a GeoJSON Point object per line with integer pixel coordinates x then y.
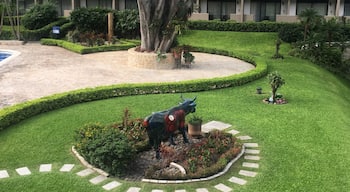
{"type": "Point", "coordinates": [4, 55]}
{"type": "Point", "coordinates": [7, 55]}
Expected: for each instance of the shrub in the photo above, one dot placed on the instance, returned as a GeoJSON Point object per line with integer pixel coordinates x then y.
{"type": "Point", "coordinates": [40, 15]}
{"type": "Point", "coordinates": [90, 19]}
{"type": "Point", "coordinates": [126, 23]}
{"type": "Point", "coordinates": [105, 147]}
{"type": "Point", "coordinates": [291, 33]}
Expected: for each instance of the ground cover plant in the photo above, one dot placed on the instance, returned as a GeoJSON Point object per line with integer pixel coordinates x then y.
{"type": "Point", "coordinates": [305, 145]}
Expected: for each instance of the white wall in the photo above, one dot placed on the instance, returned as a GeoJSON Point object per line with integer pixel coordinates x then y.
{"type": "Point", "coordinates": [203, 4]}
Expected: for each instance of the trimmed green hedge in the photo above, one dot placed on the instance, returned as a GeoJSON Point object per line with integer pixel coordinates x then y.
{"type": "Point", "coordinates": [122, 45]}
{"type": "Point", "coordinates": [19, 112]}
{"type": "Point", "coordinates": [264, 26]}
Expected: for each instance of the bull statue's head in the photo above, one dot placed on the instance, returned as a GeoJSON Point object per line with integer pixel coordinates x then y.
{"type": "Point", "coordinates": [188, 105]}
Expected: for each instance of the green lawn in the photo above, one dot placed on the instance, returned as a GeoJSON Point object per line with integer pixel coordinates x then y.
{"type": "Point", "coordinates": [305, 144]}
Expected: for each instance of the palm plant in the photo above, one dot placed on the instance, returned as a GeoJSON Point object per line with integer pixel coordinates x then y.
{"type": "Point", "coordinates": [309, 18]}
{"type": "Point", "coordinates": [275, 81]}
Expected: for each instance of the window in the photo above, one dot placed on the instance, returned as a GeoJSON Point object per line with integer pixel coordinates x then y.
{"type": "Point", "coordinates": [347, 8]}
{"type": "Point", "coordinates": [221, 9]}
{"type": "Point", "coordinates": [130, 4]}
{"type": "Point", "coordinates": [321, 6]}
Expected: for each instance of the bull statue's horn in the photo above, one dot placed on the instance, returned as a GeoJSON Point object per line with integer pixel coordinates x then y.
{"type": "Point", "coordinates": [182, 97]}
{"type": "Point", "coordinates": [194, 98]}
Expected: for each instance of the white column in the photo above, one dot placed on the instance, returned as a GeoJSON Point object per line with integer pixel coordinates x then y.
{"type": "Point", "coordinates": [337, 8]}
{"type": "Point", "coordinates": [72, 5]}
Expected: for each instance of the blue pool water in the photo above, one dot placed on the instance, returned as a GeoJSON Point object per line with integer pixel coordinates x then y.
{"type": "Point", "coordinates": [4, 55]}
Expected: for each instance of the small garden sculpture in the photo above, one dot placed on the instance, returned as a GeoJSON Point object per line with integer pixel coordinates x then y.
{"type": "Point", "coordinates": [165, 123]}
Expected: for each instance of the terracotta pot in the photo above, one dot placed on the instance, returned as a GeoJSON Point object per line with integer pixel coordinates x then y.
{"type": "Point", "coordinates": [195, 129]}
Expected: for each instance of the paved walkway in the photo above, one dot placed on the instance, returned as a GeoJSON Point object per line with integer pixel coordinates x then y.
{"type": "Point", "coordinates": [44, 70]}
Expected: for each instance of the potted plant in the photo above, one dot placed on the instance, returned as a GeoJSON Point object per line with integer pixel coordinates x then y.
{"type": "Point", "coordinates": [177, 52]}
{"type": "Point", "coordinates": [195, 125]}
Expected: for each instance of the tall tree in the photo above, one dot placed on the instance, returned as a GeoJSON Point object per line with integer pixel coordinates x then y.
{"type": "Point", "coordinates": [309, 18]}
{"type": "Point", "coordinates": [160, 22]}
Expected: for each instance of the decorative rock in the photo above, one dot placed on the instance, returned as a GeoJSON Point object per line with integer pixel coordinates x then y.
{"type": "Point", "coordinates": [214, 125]}
{"type": "Point", "coordinates": [245, 137]}
{"type": "Point", "coordinates": [238, 180]}
{"type": "Point", "coordinates": [202, 190]}
{"type": "Point", "coordinates": [179, 167]}
{"type": "Point", "coordinates": [85, 172]}
{"type": "Point", "coordinates": [252, 157]}
{"type": "Point", "coordinates": [157, 190]}
{"type": "Point", "coordinates": [67, 167]}
{"type": "Point", "coordinates": [233, 132]}
{"type": "Point", "coordinates": [250, 144]}
{"type": "Point", "coordinates": [252, 151]}
{"type": "Point", "coordinates": [3, 174]}
{"type": "Point", "coordinates": [133, 189]}
{"type": "Point", "coordinates": [250, 165]}
{"type": "Point", "coordinates": [247, 173]}
{"type": "Point", "coordinates": [223, 188]}
{"type": "Point", "coordinates": [45, 167]}
{"type": "Point", "coordinates": [23, 171]}
{"type": "Point", "coordinates": [111, 185]}
{"type": "Point", "coordinates": [98, 179]}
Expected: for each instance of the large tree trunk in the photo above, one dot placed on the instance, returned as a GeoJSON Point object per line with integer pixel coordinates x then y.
{"type": "Point", "coordinates": [156, 22]}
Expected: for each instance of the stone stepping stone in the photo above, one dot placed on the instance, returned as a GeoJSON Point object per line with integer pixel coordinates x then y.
{"type": "Point", "coordinates": [250, 165]}
{"type": "Point", "coordinates": [4, 174]}
{"type": "Point", "coordinates": [214, 125]}
{"type": "Point", "coordinates": [85, 172]}
{"type": "Point", "coordinates": [247, 173]}
{"type": "Point", "coordinates": [67, 167]}
{"type": "Point", "coordinates": [237, 180]}
{"type": "Point", "coordinates": [252, 151]}
{"type": "Point", "coordinates": [202, 190]}
{"type": "Point", "coordinates": [23, 171]}
{"type": "Point", "coordinates": [223, 188]}
{"type": "Point", "coordinates": [98, 179]}
{"type": "Point", "coordinates": [157, 190]}
{"type": "Point", "coordinates": [244, 137]}
{"type": "Point", "coordinates": [252, 157]}
{"type": "Point", "coordinates": [45, 167]}
{"type": "Point", "coordinates": [133, 189]}
{"type": "Point", "coordinates": [111, 185]}
{"type": "Point", "coordinates": [180, 190]}
{"type": "Point", "coordinates": [251, 145]}
{"type": "Point", "coordinates": [233, 132]}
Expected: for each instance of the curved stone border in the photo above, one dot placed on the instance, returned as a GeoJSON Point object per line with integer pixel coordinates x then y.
{"type": "Point", "coordinates": [227, 167]}
{"type": "Point", "coordinates": [251, 153]}
{"type": "Point", "coordinates": [86, 164]}
{"type": "Point", "coordinates": [149, 60]}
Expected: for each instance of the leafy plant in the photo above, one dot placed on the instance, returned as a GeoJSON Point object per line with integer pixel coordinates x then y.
{"type": "Point", "coordinates": [40, 15]}
{"type": "Point", "coordinates": [189, 57]}
{"type": "Point", "coordinates": [275, 81]}
{"type": "Point", "coordinates": [105, 147]}
{"type": "Point", "coordinates": [194, 119]}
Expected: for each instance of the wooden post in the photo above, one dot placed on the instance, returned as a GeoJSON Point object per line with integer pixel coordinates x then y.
{"type": "Point", "coordinates": [110, 27]}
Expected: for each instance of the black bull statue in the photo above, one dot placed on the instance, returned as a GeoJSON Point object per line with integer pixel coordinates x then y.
{"type": "Point", "coordinates": [164, 123]}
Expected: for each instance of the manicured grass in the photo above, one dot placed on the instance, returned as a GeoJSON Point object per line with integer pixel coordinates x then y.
{"type": "Point", "coordinates": [305, 144]}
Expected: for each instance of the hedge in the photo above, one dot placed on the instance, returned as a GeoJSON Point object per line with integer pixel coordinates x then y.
{"type": "Point", "coordinates": [122, 45]}
{"type": "Point", "coordinates": [36, 35]}
{"type": "Point", "coordinates": [263, 26]}
{"type": "Point", "coordinates": [14, 114]}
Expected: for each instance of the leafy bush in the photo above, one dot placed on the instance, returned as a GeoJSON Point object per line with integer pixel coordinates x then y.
{"type": "Point", "coordinates": [291, 33]}
{"type": "Point", "coordinates": [90, 19]}
{"type": "Point", "coordinates": [105, 147]}
{"type": "Point", "coordinates": [127, 23]}
{"type": "Point", "coordinates": [40, 15]}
